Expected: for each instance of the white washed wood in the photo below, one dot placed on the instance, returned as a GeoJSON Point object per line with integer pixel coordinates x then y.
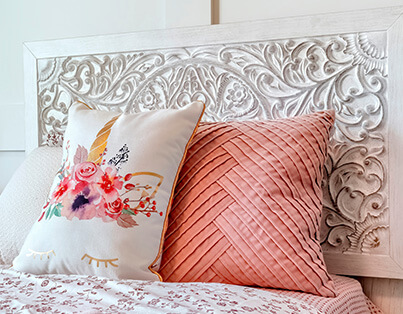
{"type": "Point", "coordinates": [385, 293]}
{"type": "Point", "coordinates": [282, 28]}
{"type": "Point", "coordinates": [365, 265]}
{"type": "Point", "coordinates": [31, 100]}
{"type": "Point", "coordinates": [395, 138]}
{"type": "Point", "coordinates": [380, 20]}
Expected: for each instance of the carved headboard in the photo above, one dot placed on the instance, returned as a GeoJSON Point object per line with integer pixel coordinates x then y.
{"type": "Point", "coordinates": [351, 62]}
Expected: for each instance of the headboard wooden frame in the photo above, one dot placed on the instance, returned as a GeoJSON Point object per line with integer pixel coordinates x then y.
{"type": "Point", "coordinates": [352, 62]}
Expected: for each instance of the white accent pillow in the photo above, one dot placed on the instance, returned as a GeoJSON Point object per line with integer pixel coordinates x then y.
{"type": "Point", "coordinates": [106, 213]}
{"type": "Point", "coordinates": [22, 199]}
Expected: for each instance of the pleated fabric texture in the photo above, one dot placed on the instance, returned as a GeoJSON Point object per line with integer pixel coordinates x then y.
{"type": "Point", "coordinates": [248, 203]}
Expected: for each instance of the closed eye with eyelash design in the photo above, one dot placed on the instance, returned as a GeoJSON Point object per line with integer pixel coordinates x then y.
{"type": "Point", "coordinates": [34, 254]}
{"type": "Point", "coordinates": [98, 260]}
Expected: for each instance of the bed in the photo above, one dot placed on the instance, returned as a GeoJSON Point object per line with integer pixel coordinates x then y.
{"type": "Point", "coordinates": [250, 77]}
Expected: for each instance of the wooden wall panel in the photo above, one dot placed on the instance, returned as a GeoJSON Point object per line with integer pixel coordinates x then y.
{"type": "Point", "coordinates": [385, 293]}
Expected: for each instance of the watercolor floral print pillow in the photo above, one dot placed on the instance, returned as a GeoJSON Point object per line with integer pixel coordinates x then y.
{"type": "Point", "coordinates": [107, 210]}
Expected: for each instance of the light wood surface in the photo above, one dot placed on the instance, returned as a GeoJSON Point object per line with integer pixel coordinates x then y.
{"type": "Point", "coordinates": [381, 266]}
{"type": "Point", "coordinates": [395, 36]}
{"type": "Point", "coordinates": [31, 101]}
{"type": "Point", "coordinates": [387, 294]}
{"type": "Point", "coordinates": [282, 28]}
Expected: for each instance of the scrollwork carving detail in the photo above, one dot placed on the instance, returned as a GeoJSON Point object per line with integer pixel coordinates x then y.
{"type": "Point", "coordinates": [262, 80]}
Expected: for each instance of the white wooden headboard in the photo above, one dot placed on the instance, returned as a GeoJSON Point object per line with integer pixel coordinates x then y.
{"type": "Point", "coordinates": [352, 62]}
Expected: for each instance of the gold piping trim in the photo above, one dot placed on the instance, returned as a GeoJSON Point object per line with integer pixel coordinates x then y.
{"type": "Point", "coordinates": [78, 101]}
{"type": "Point", "coordinates": [164, 229]}
{"type": "Point", "coordinates": [84, 104]}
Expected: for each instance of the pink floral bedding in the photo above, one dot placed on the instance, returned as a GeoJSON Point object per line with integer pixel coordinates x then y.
{"type": "Point", "coordinates": [25, 293]}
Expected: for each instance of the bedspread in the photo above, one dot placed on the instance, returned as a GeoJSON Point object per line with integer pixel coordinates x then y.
{"type": "Point", "coordinates": [25, 293]}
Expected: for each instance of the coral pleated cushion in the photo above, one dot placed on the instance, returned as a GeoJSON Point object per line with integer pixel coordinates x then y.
{"type": "Point", "coordinates": [248, 204]}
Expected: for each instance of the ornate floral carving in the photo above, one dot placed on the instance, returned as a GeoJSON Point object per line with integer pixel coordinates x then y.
{"type": "Point", "coordinates": [369, 50]}
{"type": "Point", "coordinates": [371, 235]}
{"type": "Point", "coordinates": [149, 99]}
{"type": "Point", "coordinates": [237, 95]}
{"type": "Point", "coordinates": [262, 80]}
{"type": "Point", "coordinates": [54, 138]}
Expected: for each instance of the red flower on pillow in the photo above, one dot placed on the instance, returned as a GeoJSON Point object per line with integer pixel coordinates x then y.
{"type": "Point", "coordinates": [114, 209]}
{"type": "Point", "coordinates": [62, 188]}
{"type": "Point", "coordinates": [110, 183]}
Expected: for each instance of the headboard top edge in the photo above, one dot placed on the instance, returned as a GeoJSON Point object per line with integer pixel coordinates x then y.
{"type": "Point", "coordinates": [280, 28]}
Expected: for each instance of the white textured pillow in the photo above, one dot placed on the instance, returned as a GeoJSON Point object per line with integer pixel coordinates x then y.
{"type": "Point", "coordinates": [26, 191]}
{"type": "Point", "coordinates": [106, 213]}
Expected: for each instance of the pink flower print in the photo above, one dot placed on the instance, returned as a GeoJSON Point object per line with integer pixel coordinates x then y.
{"type": "Point", "coordinates": [62, 188]}
{"type": "Point", "coordinates": [87, 171]}
{"type": "Point", "coordinates": [89, 190]}
{"type": "Point", "coordinates": [109, 184]}
{"type": "Point", "coordinates": [82, 205]}
{"type": "Point", "coordinates": [114, 209]}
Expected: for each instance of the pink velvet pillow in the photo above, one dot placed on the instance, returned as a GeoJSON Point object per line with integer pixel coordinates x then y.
{"type": "Point", "coordinates": [248, 204]}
